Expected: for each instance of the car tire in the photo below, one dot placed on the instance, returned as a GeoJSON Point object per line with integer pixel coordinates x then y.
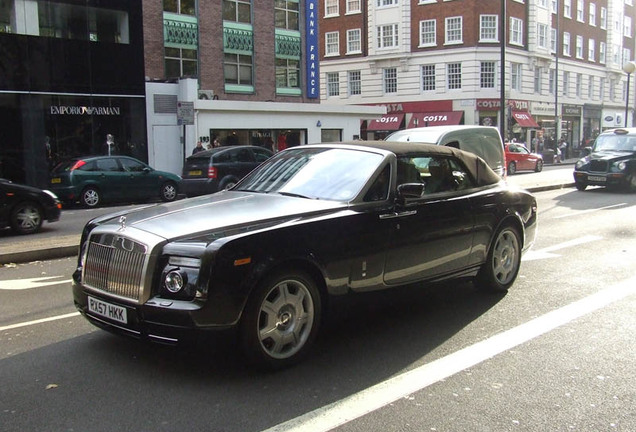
{"type": "Point", "coordinates": [512, 168]}
{"type": "Point", "coordinates": [631, 183]}
{"type": "Point", "coordinates": [281, 320]}
{"type": "Point", "coordinates": [502, 265]}
{"type": "Point", "coordinates": [168, 191]}
{"type": "Point", "coordinates": [90, 197]}
{"type": "Point", "coordinates": [228, 182]}
{"type": "Point", "coordinates": [580, 185]}
{"type": "Point", "coordinates": [539, 166]}
{"type": "Point", "coordinates": [26, 218]}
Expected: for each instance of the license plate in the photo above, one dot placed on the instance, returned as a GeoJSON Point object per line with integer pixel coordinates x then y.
{"type": "Point", "coordinates": [596, 178]}
{"type": "Point", "coordinates": [107, 310]}
{"type": "Point", "coordinates": [195, 173]}
{"type": "Point", "coordinates": [56, 180]}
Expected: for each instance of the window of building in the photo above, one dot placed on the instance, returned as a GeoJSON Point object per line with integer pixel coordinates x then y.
{"type": "Point", "coordinates": [553, 6]}
{"type": "Point", "coordinates": [602, 52]}
{"type": "Point", "coordinates": [592, 14]}
{"type": "Point", "coordinates": [516, 31]}
{"type": "Point", "coordinates": [354, 41]}
{"type": "Point", "coordinates": [488, 29]}
{"type": "Point", "coordinates": [454, 30]}
{"type": "Point", "coordinates": [538, 83]}
{"type": "Point", "coordinates": [515, 77]}
{"type": "Point", "coordinates": [579, 47]}
{"type": "Point", "coordinates": [287, 74]}
{"type": "Point", "coordinates": [389, 76]}
{"type": "Point", "coordinates": [185, 7]}
{"type": "Point", "coordinates": [353, 6]}
{"type": "Point", "coordinates": [428, 33]}
{"type": "Point", "coordinates": [567, 8]}
{"type": "Point", "coordinates": [552, 81]}
{"type": "Point", "coordinates": [238, 69]}
{"type": "Point", "coordinates": [604, 18]}
{"type": "Point", "coordinates": [332, 44]}
{"type": "Point", "coordinates": [566, 83]}
{"type": "Point", "coordinates": [566, 44]}
{"type": "Point", "coordinates": [590, 87]}
{"type": "Point", "coordinates": [579, 85]}
{"type": "Point", "coordinates": [543, 3]}
{"type": "Point", "coordinates": [237, 11]}
{"type": "Point", "coordinates": [553, 40]}
{"type": "Point", "coordinates": [333, 84]}
{"type": "Point", "coordinates": [612, 89]}
{"type": "Point", "coordinates": [387, 36]}
{"type": "Point", "coordinates": [591, 50]}
{"type": "Point", "coordinates": [627, 55]}
{"type": "Point", "coordinates": [487, 75]}
{"type": "Point", "coordinates": [627, 26]}
{"type": "Point", "coordinates": [382, 3]}
{"type": "Point", "coordinates": [601, 89]}
{"type": "Point", "coordinates": [355, 83]}
{"type": "Point", "coordinates": [580, 10]}
{"type": "Point", "coordinates": [454, 76]}
{"type": "Point", "coordinates": [180, 62]}
{"type": "Point", "coordinates": [332, 8]}
{"type": "Point", "coordinates": [286, 14]}
{"type": "Point", "coordinates": [428, 77]}
{"type": "Point", "coordinates": [542, 35]}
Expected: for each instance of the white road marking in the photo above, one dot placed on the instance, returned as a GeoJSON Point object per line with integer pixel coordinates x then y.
{"type": "Point", "coordinates": [544, 253]}
{"type": "Point", "coordinates": [29, 283]}
{"type": "Point", "coordinates": [582, 212]}
{"type": "Point", "coordinates": [391, 390]}
{"type": "Point", "coordinates": [40, 321]}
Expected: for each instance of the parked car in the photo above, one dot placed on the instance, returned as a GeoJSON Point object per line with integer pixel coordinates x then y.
{"type": "Point", "coordinates": [314, 221]}
{"type": "Point", "coordinates": [25, 208]}
{"type": "Point", "coordinates": [220, 168]}
{"type": "Point", "coordinates": [610, 162]}
{"type": "Point", "coordinates": [519, 158]}
{"type": "Point", "coordinates": [484, 141]}
{"type": "Point", "coordinates": [96, 179]}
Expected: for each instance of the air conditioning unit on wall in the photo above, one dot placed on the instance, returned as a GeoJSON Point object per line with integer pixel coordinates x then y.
{"type": "Point", "coordinates": [206, 94]}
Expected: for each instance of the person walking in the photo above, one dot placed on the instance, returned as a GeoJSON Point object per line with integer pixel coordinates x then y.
{"type": "Point", "coordinates": [198, 148]}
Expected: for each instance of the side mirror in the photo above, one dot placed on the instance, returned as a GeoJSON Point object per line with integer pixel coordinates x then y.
{"type": "Point", "coordinates": [147, 170]}
{"type": "Point", "coordinates": [586, 151]}
{"type": "Point", "coordinates": [408, 191]}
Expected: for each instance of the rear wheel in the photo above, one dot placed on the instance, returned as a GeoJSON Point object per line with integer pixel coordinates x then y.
{"type": "Point", "coordinates": [228, 182]}
{"type": "Point", "coordinates": [281, 320]}
{"type": "Point", "coordinates": [26, 218]}
{"type": "Point", "coordinates": [539, 166]}
{"type": "Point", "coordinates": [503, 262]}
{"type": "Point", "coordinates": [90, 197]}
{"type": "Point", "coordinates": [512, 168]}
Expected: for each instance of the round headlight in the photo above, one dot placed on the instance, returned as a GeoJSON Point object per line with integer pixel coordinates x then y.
{"type": "Point", "coordinates": [175, 281]}
{"type": "Point", "coordinates": [621, 166]}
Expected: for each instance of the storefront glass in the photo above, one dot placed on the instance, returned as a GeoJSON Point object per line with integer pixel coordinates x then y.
{"type": "Point", "coordinates": [273, 139]}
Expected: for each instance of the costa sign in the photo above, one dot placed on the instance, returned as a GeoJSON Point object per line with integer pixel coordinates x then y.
{"type": "Point", "coordinates": [495, 104]}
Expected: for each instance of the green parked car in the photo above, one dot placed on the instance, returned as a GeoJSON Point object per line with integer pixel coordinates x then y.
{"type": "Point", "coordinates": [94, 180]}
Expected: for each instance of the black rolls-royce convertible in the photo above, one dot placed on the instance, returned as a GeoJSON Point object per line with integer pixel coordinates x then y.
{"type": "Point", "coordinates": [312, 222]}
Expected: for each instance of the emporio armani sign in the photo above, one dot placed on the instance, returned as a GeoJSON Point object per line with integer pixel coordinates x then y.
{"type": "Point", "coordinates": [85, 110]}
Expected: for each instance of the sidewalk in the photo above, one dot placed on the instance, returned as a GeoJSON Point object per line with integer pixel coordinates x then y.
{"type": "Point", "coordinates": [31, 248]}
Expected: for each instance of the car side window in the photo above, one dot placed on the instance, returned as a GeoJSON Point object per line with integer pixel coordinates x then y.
{"type": "Point", "coordinates": [107, 165]}
{"type": "Point", "coordinates": [461, 177]}
{"type": "Point", "coordinates": [261, 155]}
{"type": "Point", "coordinates": [379, 191]}
{"type": "Point", "coordinates": [243, 155]}
{"type": "Point", "coordinates": [131, 165]}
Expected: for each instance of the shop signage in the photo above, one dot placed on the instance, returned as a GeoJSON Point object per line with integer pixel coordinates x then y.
{"type": "Point", "coordinates": [311, 44]}
{"type": "Point", "coordinates": [85, 110]}
{"type": "Point", "coordinates": [571, 110]}
{"type": "Point", "coordinates": [185, 113]}
{"type": "Point", "coordinates": [495, 104]}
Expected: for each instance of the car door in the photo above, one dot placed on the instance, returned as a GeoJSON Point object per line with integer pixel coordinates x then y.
{"type": "Point", "coordinates": [431, 235]}
{"type": "Point", "coordinates": [109, 176]}
{"type": "Point", "coordinates": [140, 178]}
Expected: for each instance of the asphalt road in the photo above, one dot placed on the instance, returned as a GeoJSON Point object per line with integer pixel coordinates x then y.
{"type": "Point", "coordinates": [555, 353]}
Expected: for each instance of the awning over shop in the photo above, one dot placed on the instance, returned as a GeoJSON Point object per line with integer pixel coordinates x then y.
{"type": "Point", "coordinates": [436, 118]}
{"type": "Point", "coordinates": [388, 122]}
{"type": "Point", "coordinates": [524, 119]}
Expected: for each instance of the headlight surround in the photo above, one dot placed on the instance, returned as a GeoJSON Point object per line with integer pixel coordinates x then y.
{"type": "Point", "coordinates": [581, 163]}
{"type": "Point", "coordinates": [179, 279]}
{"type": "Point", "coordinates": [620, 165]}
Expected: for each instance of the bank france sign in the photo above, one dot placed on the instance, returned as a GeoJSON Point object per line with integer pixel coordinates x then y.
{"type": "Point", "coordinates": [311, 44]}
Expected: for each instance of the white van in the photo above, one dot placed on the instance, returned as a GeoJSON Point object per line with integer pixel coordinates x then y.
{"type": "Point", "coordinates": [484, 141]}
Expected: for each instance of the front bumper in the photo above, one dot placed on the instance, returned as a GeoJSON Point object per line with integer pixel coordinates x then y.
{"type": "Point", "coordinates": [600, 179]}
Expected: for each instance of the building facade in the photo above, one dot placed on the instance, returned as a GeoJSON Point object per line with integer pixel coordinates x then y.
{"type": "Point", "coordinates": [70, 74]}
{"type": "Point", "coordinates": [440, 62]}
{"type": "Point", "coordinates": [248, 72]}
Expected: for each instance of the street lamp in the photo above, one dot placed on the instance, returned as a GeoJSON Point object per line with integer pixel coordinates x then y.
{"type": "Point", "coordinates": [628, 68]}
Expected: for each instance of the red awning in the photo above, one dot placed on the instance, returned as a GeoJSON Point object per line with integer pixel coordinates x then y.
{"type": "Point", "coordinates": [524, 119]}
{"type": "Point", "coordinates": [388, 122]}
{"type": "Point", "coordinates": [436, 118]}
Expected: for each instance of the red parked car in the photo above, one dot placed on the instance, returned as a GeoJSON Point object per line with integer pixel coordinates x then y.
{"type": "Point", "coordinates": [519, 158]}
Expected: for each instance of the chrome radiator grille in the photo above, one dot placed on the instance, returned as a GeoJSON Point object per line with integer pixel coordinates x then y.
{"type": "Point", "coordinates": [115, 265]}
{"type": "Point", "coordinates": [598, 166]}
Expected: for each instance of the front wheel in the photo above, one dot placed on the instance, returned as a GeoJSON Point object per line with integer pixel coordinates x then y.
{"type": "Point", "coordinates": [580, 185]}
{"type": "Point", "coordinates": [503, 262]}
{"type": "Point", "coordinates": [26, 218]}
{"type": "Point", "coordinates": [168, 192]}
{"type": "Point", "coordinates": [539, 166]}
{"type": "Point", "coordinates": [281, 320]}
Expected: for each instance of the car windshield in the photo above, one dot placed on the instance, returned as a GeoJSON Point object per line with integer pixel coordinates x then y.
{"type": "Point", "coordinates": [615, 143]}
{"type": "Point", "coordinates": [317, 173]}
